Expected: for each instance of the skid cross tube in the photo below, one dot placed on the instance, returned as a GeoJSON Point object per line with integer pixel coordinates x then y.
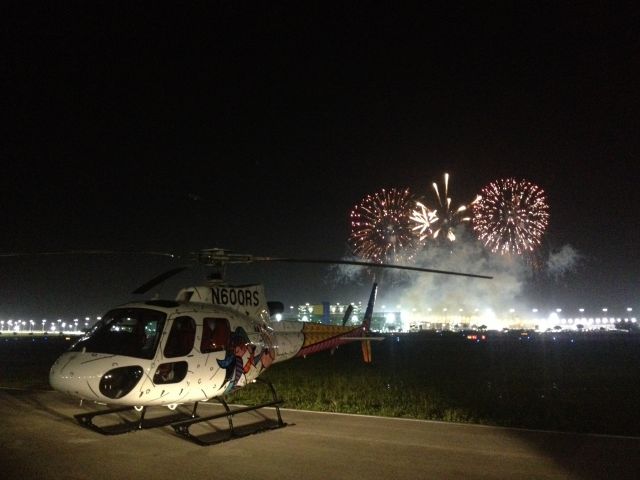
{"type": "Point", "coordinates": [182, 427]}
{"type": "Point", "coordinates": [86, 420]}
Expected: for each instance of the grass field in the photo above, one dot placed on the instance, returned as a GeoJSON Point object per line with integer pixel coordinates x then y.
{"type": "Point", "coordinates": [586, 383]}
{"type": "Point", "coordinates": [577, 382]}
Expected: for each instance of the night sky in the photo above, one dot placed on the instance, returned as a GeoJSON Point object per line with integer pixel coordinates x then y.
{"type": "Point", "coordinates": [257, 127]}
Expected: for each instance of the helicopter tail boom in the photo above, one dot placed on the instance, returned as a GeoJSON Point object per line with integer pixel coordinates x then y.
{"type": "Point", "coordinates": [299, 339]}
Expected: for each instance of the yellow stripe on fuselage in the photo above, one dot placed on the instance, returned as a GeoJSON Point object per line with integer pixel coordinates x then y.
{"type": "Point", "coordinates": [318, 332]}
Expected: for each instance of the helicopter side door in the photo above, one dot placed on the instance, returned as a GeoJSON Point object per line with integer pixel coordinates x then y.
{"type": "Point", "coordinates": [215, 334]}
{"type": "Point", "coordinates": [179, 343]}
{"type": "Point", "coordinates": [215, 344]}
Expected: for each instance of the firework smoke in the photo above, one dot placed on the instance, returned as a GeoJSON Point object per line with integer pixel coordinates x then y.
{"type": "Point", "coordinates": [438, 291]}
{"type": "Point", "coordinates": [562, 261]}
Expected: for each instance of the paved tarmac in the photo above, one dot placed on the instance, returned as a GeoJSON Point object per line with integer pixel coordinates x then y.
{"type": "Point", "coordinates": [40, 439]}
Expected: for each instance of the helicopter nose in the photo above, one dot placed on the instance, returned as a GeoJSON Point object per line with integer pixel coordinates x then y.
{"type": "Point", "coordinates": [61, 378]}
{"type": "Point", "coordinates": [91, 377]}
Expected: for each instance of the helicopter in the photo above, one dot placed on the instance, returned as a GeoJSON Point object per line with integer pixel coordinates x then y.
{"type": "Point", "coordinates": [207, 343]}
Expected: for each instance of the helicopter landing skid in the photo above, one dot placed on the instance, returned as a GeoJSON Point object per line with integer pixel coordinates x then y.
{"type": "Point", "coordinates": [126, 425]}
{"type": "Point", "coordinates": [223, 435]}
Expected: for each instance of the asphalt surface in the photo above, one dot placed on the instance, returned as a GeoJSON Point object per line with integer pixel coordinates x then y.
{"type": "Point", "coordinates": [40, 439]}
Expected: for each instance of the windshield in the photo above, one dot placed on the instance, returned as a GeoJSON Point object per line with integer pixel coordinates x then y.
{"type": "Point", "coordinates": [134, 332]}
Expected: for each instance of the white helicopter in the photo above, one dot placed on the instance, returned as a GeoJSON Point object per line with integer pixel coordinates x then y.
{"type": "Point", "coordinates": [207, 343]}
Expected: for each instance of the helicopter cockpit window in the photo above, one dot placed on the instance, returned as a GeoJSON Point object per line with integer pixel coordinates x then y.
{"type": "Point", "coordinates": [134, 332]}
{"type": "Point", "coordinates": [181, 337]}
{"type": "Point", "coordinates": [215, 335]}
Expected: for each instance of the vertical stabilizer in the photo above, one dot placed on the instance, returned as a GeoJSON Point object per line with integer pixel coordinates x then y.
{"type": "Point", "coordinates": [366, 325]}
{"type": "Point", "coordinates": [368, 314]}
{"type": "Point", "coordinates": [347, 315]}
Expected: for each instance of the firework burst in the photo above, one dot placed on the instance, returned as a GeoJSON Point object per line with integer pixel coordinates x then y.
{"type": "Point", "coordinates": [511, 216]}
{"type": "Point", "coordinates": [425, 219]}
{"type": "Point", "coordinates": [381, 227]}
{"type": "Point", "coordinates": [441, 219]}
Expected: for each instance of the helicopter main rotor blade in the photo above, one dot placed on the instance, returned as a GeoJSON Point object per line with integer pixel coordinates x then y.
{"type": "Point", "coordinates": [158, 280]}
{"type": "Point", "coordinates": [367, 264]}
{"type": "Point", "coordinates": [85, 252]}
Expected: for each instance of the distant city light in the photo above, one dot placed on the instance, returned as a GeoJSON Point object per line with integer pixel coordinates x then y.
{"type": "Point", "coordinates": [408, 318]}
